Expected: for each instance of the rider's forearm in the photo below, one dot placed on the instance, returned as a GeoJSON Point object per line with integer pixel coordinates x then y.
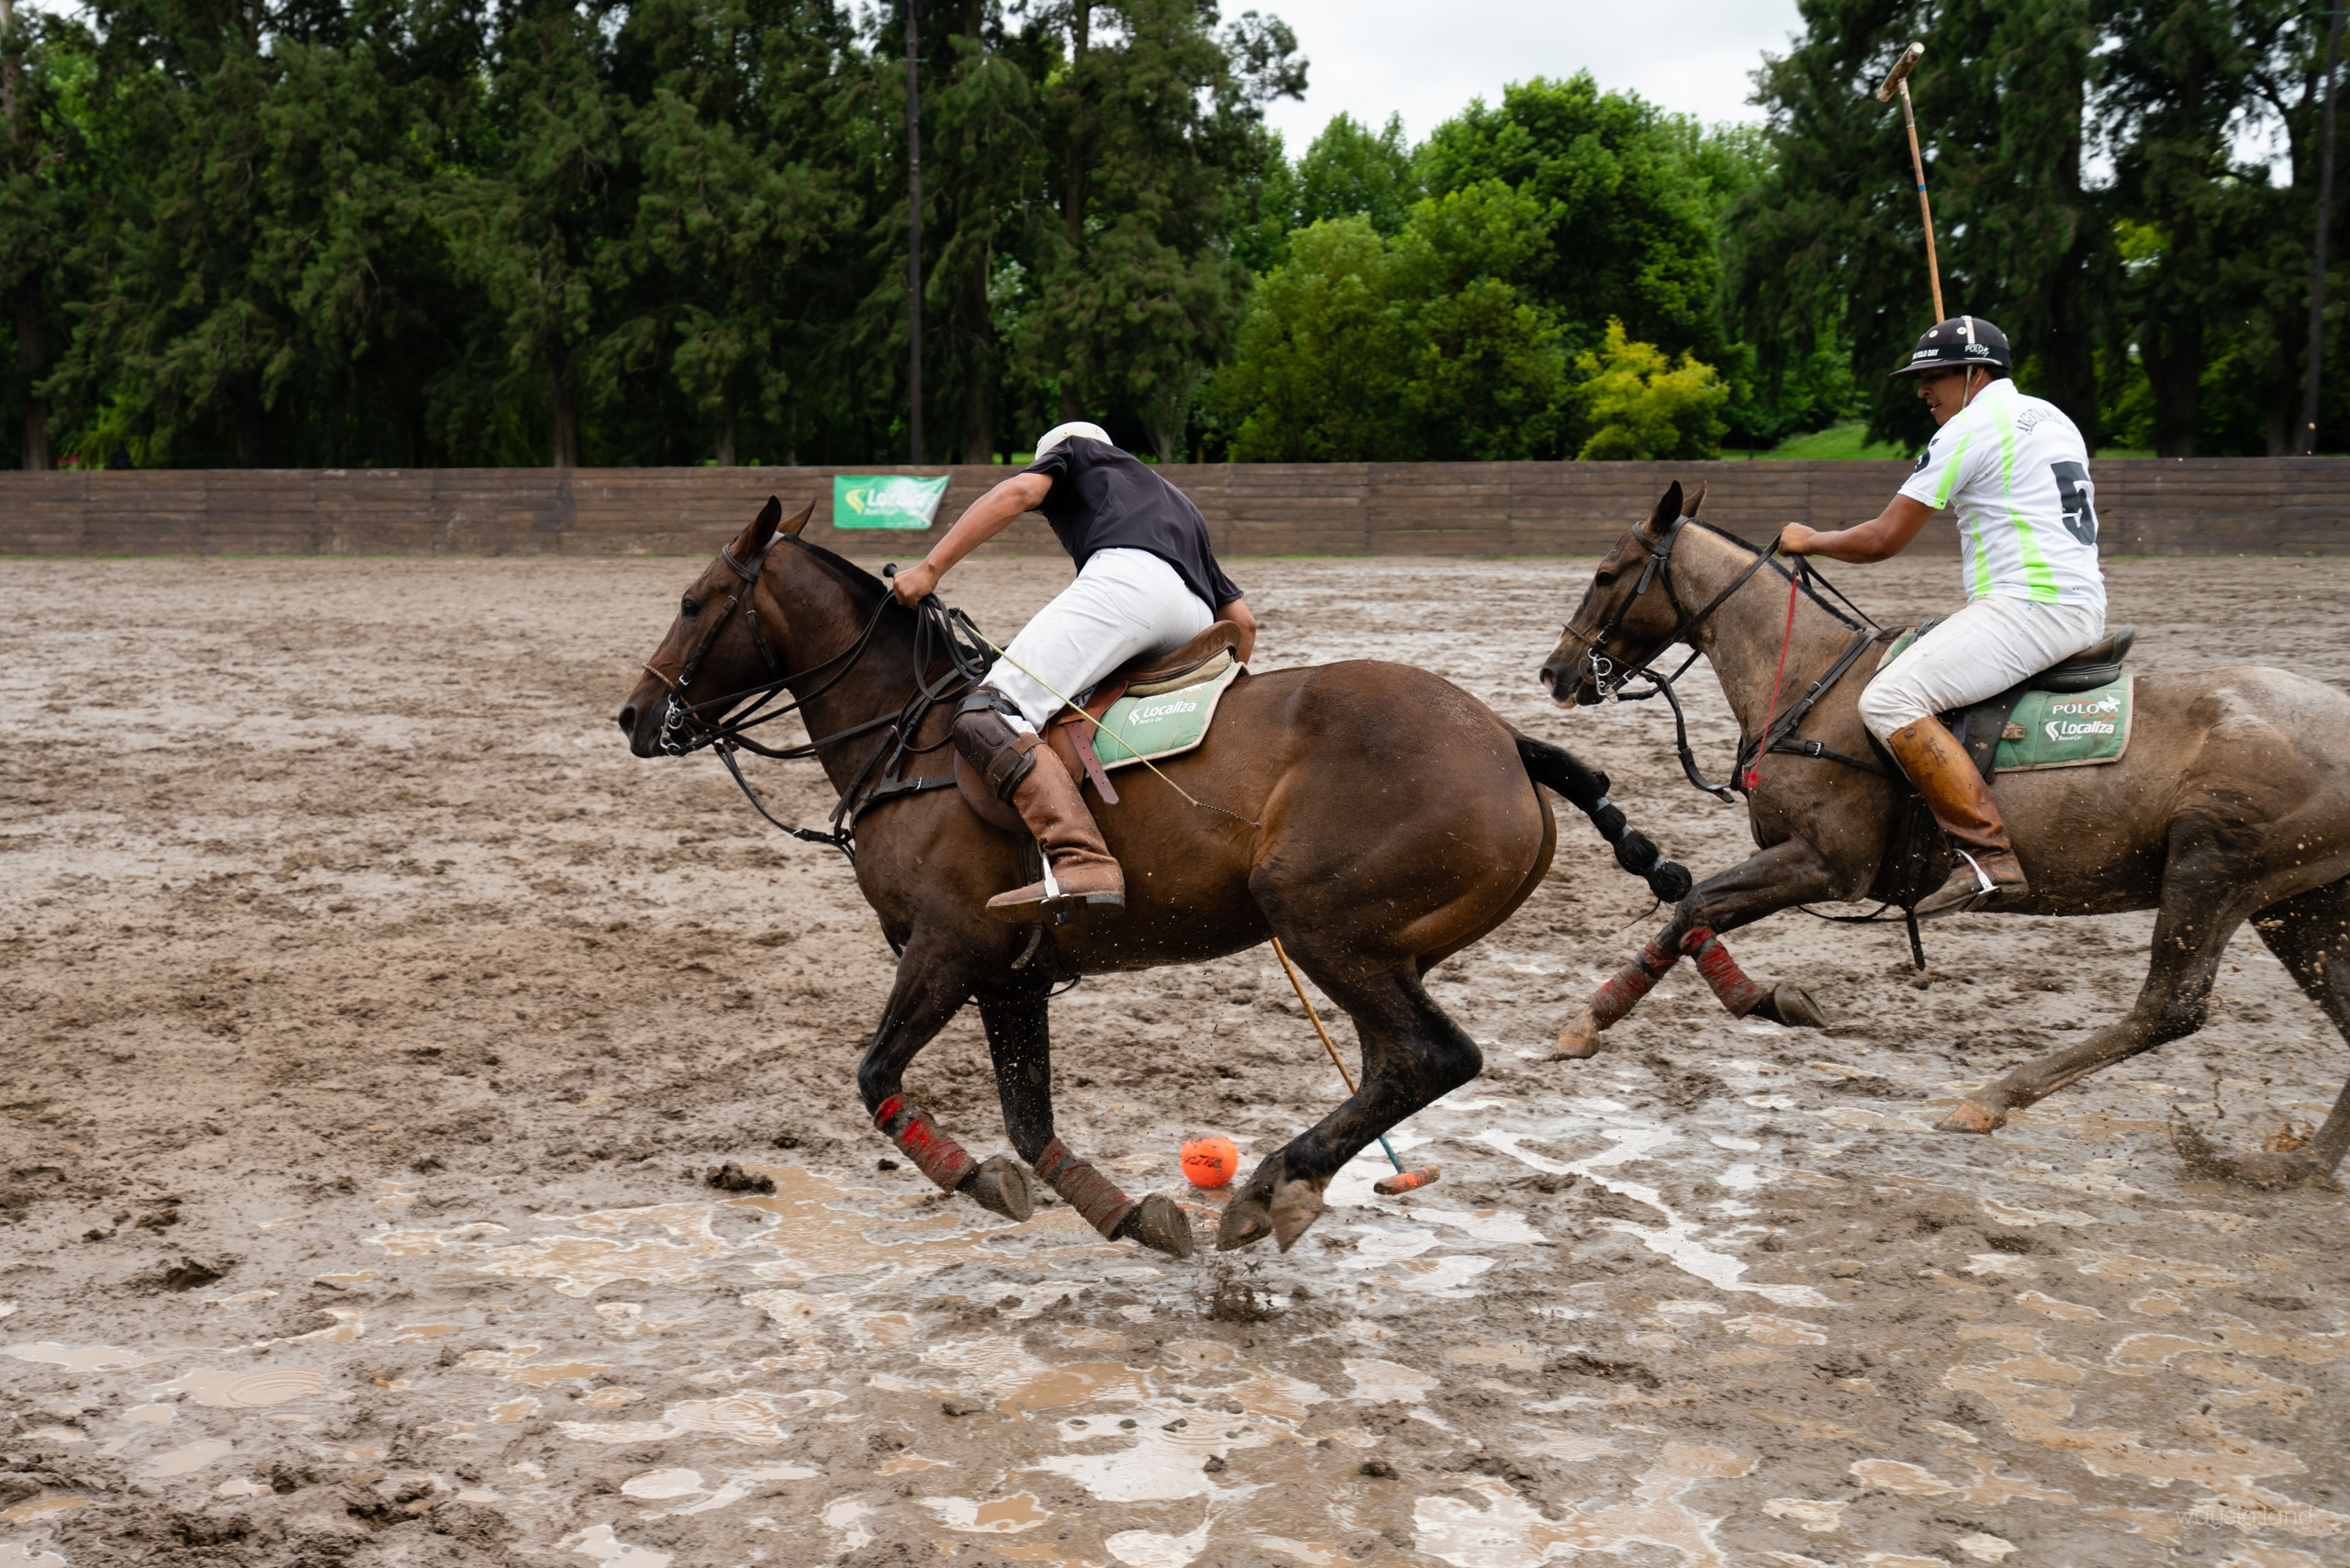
{"type": "Point", "coordinates": [982, 521]}
{"type": "Point", "coordinates": [1880, 538]}
{"type": "Point", "coordinates": [1860, 545]}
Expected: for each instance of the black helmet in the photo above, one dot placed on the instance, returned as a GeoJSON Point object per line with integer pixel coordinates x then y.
{"type": "Point", "coordinates": [1960, 341]}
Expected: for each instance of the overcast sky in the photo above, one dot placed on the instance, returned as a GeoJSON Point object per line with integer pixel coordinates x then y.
{"type": "Point", "coordinates": [1426, 59]}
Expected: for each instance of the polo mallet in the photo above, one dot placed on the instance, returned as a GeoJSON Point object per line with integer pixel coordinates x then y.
{"type": "Point", "coordinates": [1897, 80]}
{"type": "Point", "coordinates": [1403, 1180]}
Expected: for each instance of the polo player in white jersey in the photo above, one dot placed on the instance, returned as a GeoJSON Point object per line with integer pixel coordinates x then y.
{"type": "Point", "coordinates": [1147, 583]}
{"type": "Point", "coordinates": [2015, 470]}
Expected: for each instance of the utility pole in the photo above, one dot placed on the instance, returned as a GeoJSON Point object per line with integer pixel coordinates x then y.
{"type": "Point", "coordinates": [913, 223]}
{"type": "Point", "coordinates": [2324, 222]}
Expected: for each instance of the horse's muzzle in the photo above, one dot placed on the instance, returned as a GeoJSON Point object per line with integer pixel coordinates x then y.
{"type": "Point", "coordinates": [640, 718]}
{"type": "Point", "coordinates": [1569, 682]}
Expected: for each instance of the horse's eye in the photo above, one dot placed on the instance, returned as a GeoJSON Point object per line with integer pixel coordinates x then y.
{"type": "Point", "coordinates": [1604, 579]}
{"type": "Point", "coordinates": [689, 608]}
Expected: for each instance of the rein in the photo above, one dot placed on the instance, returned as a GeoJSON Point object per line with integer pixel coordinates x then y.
{"type": "Point", "coordinates": [938, 632]}
{"type": "Point", "coordinates": [1777, 735]}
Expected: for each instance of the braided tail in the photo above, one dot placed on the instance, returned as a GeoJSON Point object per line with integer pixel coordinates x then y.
{"type": "Point", "coordinates": [1585, 788]}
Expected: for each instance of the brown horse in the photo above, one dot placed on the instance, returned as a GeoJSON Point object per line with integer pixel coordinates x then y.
{"type": "Point", "coordinates": [2233, 802]}
{"type": "Point", "coordinates": [1374, 817]}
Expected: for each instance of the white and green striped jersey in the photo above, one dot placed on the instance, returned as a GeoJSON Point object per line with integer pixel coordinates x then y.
{"type": "Point", "coordinates": [2015, 470]}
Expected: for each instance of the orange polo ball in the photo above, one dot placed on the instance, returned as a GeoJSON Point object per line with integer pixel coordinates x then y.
{"type": "Point", "coordinates": [1210, 1161]}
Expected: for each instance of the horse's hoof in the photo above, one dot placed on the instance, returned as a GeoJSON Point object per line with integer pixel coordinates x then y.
{"type": "Point", "coordinates": [1159, 1223]}
{"type": "Point", "coordinates": [1578, 1039]}
{"type": "Point", "coordinates": [1246, 1221]}
{"type": "Point", "coordinates": [1001, 1187]}
{"type": "Point", "coordinates": [1297, 1203]}
{"type": "Point", "coordinates": [1793, 1006]}
{"type": "Point", "coordinates": [1971, 1117]}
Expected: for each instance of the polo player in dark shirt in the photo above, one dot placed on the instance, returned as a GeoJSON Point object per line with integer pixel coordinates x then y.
{"type": "Point", "coordinates": [1147, 583]}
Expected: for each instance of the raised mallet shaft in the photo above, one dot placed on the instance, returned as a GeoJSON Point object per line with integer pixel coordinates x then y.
{"type": "Point", "coordinates": [1898, 80]}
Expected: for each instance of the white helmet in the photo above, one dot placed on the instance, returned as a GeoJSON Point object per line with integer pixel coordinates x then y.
{"type": "Point", "coordinates": [1059, 434]}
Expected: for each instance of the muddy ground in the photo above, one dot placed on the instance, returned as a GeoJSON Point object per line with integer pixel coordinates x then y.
{"type": "Point", "coordinates": [370, 1016]}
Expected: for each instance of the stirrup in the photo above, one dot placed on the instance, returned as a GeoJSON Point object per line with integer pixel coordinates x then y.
{"type": "Point", "coordinates": [1975, 901]}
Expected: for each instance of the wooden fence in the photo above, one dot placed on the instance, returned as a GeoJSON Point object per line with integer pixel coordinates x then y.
{"type": "Point", "coordinates": [2207, 506]}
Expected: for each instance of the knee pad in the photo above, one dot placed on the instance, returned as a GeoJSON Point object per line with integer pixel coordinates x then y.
{"type": "Point", "coordinates": [985, 738]}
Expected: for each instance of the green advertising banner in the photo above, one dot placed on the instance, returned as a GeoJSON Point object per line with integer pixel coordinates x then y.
{"type": "Point", "coordinates": [885, 500]}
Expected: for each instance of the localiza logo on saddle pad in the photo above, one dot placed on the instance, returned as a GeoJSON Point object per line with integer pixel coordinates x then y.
{"type": "Point", "coordinates": [1161, 711]}
{"type": "Point", "coordinates": [2091, 715]}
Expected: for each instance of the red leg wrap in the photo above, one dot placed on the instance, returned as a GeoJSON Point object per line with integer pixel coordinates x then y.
{"type": "Point", "coordinates": [1633, 981]}
{"type": "Point", "coordinates": [1731, 988]}
{"type": "Point", "coordinates": [935, 1154]}
{"type": "Point", "coordinates": [1084, 1189]}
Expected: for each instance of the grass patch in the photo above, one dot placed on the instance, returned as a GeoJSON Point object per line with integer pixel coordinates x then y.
{"type": "Point", "coordinates": [1847, 443]}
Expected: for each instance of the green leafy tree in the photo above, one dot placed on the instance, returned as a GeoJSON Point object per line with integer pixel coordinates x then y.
{"type": "Point", "coordinates": [1640, 405]}
{"type": "Point", "coordinates": [740, 224]}
{"type": "Point", "coordinates": [46, 208]}
{"type": "Point", "coordinates": [1153, 130]}
{"type": "Point", "coordinates": [1427, 346]}
{"type": "Point", "coordinates": [1631, 232]}
{"type": "Point", "coordinates": [536, 231]}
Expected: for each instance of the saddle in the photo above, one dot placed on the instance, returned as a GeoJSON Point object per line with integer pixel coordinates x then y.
{"type": "Point", "coordinates": [1203, 659]}
{"type": "Point", "coordinates": [1918, 857]}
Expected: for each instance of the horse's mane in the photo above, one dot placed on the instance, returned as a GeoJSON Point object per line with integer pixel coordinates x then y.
{"type": "Point", "coordinates": [1809, 592]}
{"type": "Point", "coordinates": [867, 588]}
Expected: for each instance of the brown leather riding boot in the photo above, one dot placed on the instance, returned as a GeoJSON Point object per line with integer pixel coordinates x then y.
{"type": "Point", "coordinates": [1080, 876]}
{"type": "Point", "coordinates": [1988, 872]}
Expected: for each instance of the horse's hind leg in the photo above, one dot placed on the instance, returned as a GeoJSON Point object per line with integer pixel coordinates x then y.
{"type": "Point", "coordinates": [1020, 1045]}
{"type": "Point", "coordinates": [1412, 1055]}
{"type": "Point", "coordinates": [2310, 932]}
{"type": "Point", "coordinates": [2190, 932]}
{"type": "Point", "coordinates": [1786, 874]}
{"type": "Point", "coordinates": [921, 1003]}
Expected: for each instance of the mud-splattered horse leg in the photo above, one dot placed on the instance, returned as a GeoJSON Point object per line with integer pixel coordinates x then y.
{"type": "Point", "coordinates": [2311, 933]}
{"type": "Point", "coordinates": [924, 998]}
{"type": "Point", "coordinates": [1020, 1045]}
{"type": "Point", "coordinates": [1779, 878]}
{"type": "Point", "coordinates": [1412, 1055]}
{"type": "Point", "coordinates": [2191, 929]}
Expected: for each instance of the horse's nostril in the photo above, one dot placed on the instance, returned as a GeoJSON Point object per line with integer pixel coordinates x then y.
{"type": "Point", "coordinates": [628, 720]}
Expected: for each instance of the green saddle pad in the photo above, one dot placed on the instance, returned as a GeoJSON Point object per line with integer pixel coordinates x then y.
{"type": "Point", "coordinates": [1144, 729]}
{"type": "Point", "coordinates": [2056, 729]}
{"type": "Point", "coordinates": [2067, 729]}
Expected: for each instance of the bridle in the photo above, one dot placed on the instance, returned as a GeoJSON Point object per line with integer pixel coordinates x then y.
{"type": "Point", "coordinates": [1610, 679]}
{"type": "Point", "coordinates": [721, 723]}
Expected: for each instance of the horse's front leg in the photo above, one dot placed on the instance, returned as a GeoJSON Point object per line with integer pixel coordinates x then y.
{"type": "Point", "coordinates": [929, 989]}
{"type": "Point", "coordinates": [1781, 877]}
{"type": "Point", "coordinates": [1020, 1045]}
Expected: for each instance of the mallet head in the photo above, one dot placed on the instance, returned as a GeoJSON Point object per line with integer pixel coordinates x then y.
{"type": "Point", "coordinates": [1900, 72]}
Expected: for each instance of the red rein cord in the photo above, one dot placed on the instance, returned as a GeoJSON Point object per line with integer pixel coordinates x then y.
{"type": "Point", "coordinates": [1754, 774]}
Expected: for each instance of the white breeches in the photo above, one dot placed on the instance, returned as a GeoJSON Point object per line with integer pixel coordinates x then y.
{"type": "Point", "coordinates": [1977, 653]}
{"type": "Point", "coordinates": [1125, 603]}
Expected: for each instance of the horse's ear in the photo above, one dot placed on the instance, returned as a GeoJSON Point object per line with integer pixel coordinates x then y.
{"type": "Point", "coordinates": [762, 527]}
{"type": "Point", "coordinates": [1696, 500]}
{"type": "Point", "coordinates": [1668, 507]}
{"type": "Point", "coordinates": [797, 521]}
